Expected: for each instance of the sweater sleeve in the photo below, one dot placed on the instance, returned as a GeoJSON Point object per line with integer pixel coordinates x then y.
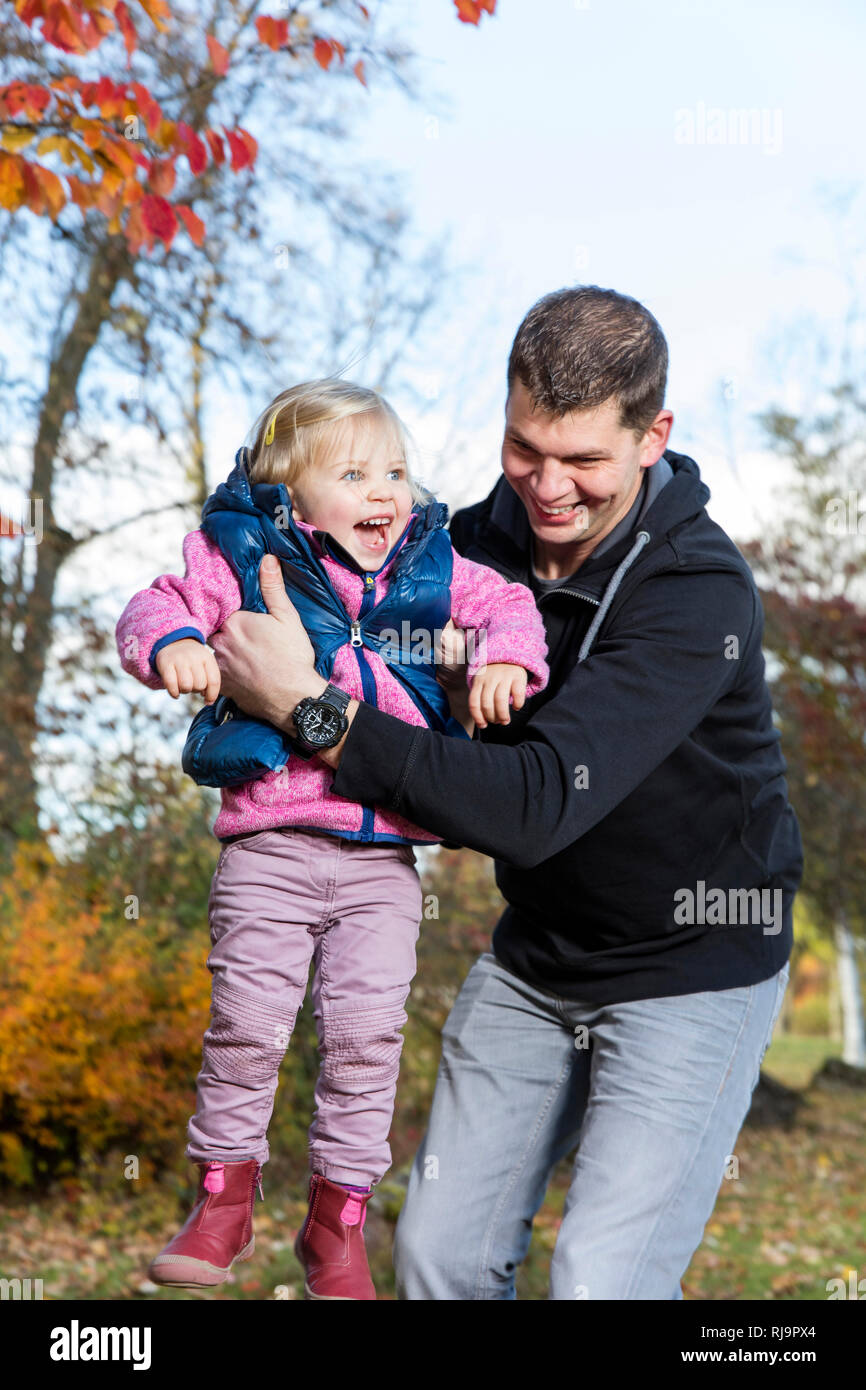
{"type": "Point", "coordinates": [649, 682]}
{"type": "Point", "coordinates": [196, 606]}
{"type": "Point", "coordinates": [502, 622]}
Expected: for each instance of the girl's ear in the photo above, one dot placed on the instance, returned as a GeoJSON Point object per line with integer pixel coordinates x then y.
{"type": "Point", "coordinates": [297, 514]}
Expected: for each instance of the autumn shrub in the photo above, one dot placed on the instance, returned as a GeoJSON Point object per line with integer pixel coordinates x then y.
{"type": "Point", "coordinates": [100, 1024]}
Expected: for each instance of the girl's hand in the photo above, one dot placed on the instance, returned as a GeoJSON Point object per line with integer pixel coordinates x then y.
{"type": "Point", "coordinates": [189, 665]}
{"type": "Point", "coordinates": [494, 688]}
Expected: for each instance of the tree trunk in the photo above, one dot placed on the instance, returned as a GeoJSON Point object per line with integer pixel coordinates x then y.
{"type": "Point", "coordinates": [28, 619]}
{"type": "Point", "coordinates": [853, 1040]}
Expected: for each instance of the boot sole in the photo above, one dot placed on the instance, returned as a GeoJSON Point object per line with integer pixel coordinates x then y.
{"type": "Point", "coordinates": [159, 1277]}
{"type": "Point", "coordinates": [326, 1297]}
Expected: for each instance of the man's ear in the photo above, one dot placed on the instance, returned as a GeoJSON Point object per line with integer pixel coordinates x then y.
{"type": "Point", "coordinates": [655, 441]}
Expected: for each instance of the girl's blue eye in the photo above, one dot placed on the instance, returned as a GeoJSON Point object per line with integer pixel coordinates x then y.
{"type": "Point", "coordinates": [350, 471]}
{"type": "Point", "coordinates": [397, 473]}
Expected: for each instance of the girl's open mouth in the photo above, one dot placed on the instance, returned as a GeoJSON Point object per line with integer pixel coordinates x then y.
{"type": "Point", "coordinates": [373, 534]}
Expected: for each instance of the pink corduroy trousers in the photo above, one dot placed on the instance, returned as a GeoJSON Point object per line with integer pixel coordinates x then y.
{"type": "Point", "coordinates": [279, 899]}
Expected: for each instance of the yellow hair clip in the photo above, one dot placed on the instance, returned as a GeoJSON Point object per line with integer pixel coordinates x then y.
{"type": "Point", "coordinates": [269, 437]}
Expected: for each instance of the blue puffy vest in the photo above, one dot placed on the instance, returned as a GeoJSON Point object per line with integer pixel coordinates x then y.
{"type": "Point", "coordinates": [224, 746]}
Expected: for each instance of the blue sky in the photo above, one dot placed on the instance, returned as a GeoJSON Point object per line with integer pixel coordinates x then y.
{"type": "Point", "coordinates": [554, 144]}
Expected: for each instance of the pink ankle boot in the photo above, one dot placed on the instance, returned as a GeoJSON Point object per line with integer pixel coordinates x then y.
{"type": "Point", "coordinates": [218, 1230]}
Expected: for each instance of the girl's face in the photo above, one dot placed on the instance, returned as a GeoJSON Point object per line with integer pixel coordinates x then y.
{"type": "Point", "coordinates": [358, 489]}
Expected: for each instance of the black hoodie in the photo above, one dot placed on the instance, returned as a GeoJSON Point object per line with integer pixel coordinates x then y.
{"type": "Point", "coordinates": [634, 803]}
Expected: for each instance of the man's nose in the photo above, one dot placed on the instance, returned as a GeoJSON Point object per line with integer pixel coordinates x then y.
{"type": "Point", "coordinates": [552, 481]}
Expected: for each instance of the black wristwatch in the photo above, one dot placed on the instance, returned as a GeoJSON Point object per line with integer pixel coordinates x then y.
{"type": "Point", "coordinates": [320, 722]}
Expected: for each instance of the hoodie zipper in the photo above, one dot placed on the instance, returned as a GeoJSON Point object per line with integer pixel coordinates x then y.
{"type": "Point", "coordinates": [572, 593]}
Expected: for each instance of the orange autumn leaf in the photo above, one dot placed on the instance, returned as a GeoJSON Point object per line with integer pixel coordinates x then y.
{"type": "Point", "coordinates": [194, 225]}
{"type": "Point", "coordinates": [323, 52]}
{"type": "Point", "coordinates": [162, 176]}
{"type": "Point", "coordinates": [52, 190]}
{"type": "Point", "coordinates": [358, 70]}
{"type": "Point", "coordinates": [218, 55]}
{"type": "Point", "coordinates": [468, 12]}
{"type": "Point", "coordinates": [217, 147]}
{"type": "Point", "coordinates": [11, 181]}
{"type": "Point", "coordinates": [273, 32]}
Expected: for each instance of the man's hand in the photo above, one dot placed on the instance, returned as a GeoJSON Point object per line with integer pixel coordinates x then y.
{"type": "Point", "coordinates": [494, 688]}
{"type": "Point", "coordinates": [187, 665]}
{"type": "Point", "coordinates": [265, 660]}
{"type": "Point", "coordinates": [451, 674]}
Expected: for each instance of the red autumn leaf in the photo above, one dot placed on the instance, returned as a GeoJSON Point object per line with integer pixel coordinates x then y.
{"type": "Point", "coordinates": [194, 225]}
{"type": "Point", "coordinates": [63, 28]}
{"type": "Point", "coordinates": [273, 32]}
{"type": "Point", "coordinates": [34, 197]}
{"type": "Point", "coordinates": [251, 143]}
{"type": "Point", "coordinates": [364, 11]}
{"type": "Point", "coordinates": [358, 70]}
{"type": "Point", "coordinates": [127, 29]}
{"type": "Point", "coordinates": [488, 5]}
{"type": "Point", "coordinates": [242, 146]}
{"type": "Point", "coordinates": [193, 147]}
{"type": "Point", "coordinates": [14, 97]}
{"type": "Point", "coordinates": [323, 52]}
{"type": "Point", "coordinates": [339, 49]}
{"type": "Point", "coordinates": [158, 217]}
{"type": "Point", "coordinates": [35, 100]}
{"type": "Point", "coordinates": [217, 147]}
{"type": "Point", "coordinates": [218, 55]}
{"type": "Point", "coordinates": [468, 12]}
{"type": "Point", "coordinates": [149, 108]}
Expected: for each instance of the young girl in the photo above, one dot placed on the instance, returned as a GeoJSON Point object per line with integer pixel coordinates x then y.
{"type": "Point", "coordinates": [304, 874]}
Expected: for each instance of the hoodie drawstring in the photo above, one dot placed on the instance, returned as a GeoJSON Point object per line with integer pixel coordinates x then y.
{"type": "Point", "coordinates": [610, 591]}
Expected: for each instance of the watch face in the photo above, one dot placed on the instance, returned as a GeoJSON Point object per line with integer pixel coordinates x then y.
{"type": "Point", "coordinates": [320, 725]}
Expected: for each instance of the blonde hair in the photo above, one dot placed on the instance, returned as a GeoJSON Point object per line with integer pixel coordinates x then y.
{"type": "Point", "coordinates": [299, 420]}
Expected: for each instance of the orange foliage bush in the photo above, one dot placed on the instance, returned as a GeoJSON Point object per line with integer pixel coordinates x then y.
{"type": "Point", "coordinates": [100, 1024]}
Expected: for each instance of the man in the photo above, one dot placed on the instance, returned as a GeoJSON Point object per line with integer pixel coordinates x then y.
{"type": "Point", "coordinates": [637, 811]}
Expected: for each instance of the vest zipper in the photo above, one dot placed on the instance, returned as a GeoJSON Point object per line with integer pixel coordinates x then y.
{"type": "Point", "coordinates": [368, 683]}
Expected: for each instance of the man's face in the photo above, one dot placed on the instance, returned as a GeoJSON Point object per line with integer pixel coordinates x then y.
{"type": "Point", "coordinates": [577, 476]}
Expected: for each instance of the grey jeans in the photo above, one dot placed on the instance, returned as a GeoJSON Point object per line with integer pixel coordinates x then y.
{"type": "Point", "coordinates": [653, 1092]}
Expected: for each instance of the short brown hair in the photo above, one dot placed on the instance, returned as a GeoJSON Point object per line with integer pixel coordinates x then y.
{"type": "Point", "coordinates": [580, 347]}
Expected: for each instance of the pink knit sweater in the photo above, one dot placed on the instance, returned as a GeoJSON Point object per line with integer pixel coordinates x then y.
{"type": "Point", "coordinates": [300, 793]}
